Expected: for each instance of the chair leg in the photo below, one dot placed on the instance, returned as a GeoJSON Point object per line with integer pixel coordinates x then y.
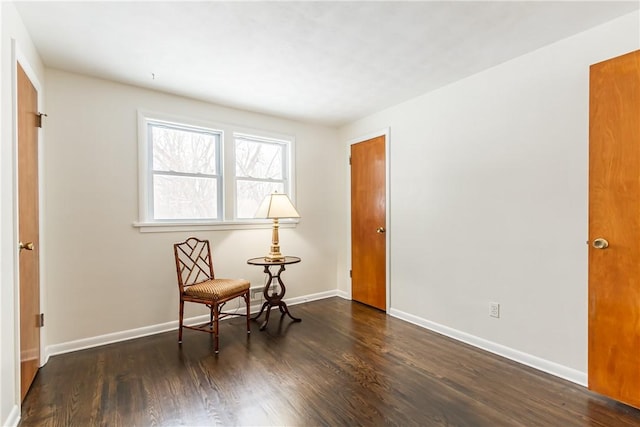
{"type": "Point", "coordinates": [247, 299]}
{"type": "Point", "coordinates": [216, 316]}
{"type": "Point", "coordinates": [180, 321]}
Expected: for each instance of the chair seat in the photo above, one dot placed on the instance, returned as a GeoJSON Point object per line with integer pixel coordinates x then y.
{"type": "Point", "coordinates": [216, 289]}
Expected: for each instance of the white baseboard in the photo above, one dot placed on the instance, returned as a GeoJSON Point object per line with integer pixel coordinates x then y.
{"type": "Point", "coordinates": [343, 295]}
{"type": "Point", "coordinates": [544, 365]}
{"type": "Point", "coordinates": [130, 334]}
{"type": "Point", "coordinates": [14, 417]}
{"type": "Point", "coordinates": [311, 297]}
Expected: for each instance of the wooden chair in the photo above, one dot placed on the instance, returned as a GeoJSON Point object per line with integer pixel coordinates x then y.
{"type": "Point", "coordinates": [198, 284]}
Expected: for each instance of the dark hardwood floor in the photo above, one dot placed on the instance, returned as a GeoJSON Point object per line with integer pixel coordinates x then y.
{"type": "Point", "coordinates": [345, 364]}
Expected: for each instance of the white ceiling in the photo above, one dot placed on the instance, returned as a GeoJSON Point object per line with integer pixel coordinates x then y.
{"type": "Point", "coordinates": [322, 62]}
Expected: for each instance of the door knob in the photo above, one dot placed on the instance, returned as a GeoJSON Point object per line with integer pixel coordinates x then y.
{"type": "Point", "coordinates": [600, 243]}
{"type": "Point", "coordinates": [380, 230]}
{"type": "Point", "coordinates": [28, 246]}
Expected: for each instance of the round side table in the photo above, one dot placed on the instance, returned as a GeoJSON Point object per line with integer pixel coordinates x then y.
{"type": "Point", "coordinates": [274, 299]}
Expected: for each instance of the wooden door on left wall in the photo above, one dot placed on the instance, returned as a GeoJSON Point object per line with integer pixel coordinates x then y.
{"type": "Point", "coordinates": [28, 231]}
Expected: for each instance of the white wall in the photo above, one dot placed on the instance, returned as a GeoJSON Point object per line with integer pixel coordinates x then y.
{"type": "Point", "coordinates": [105, 276]}
{"type": "Point", "coordinates": [13, 33]}
{"type": "Point", "coordinates": [489, 198]}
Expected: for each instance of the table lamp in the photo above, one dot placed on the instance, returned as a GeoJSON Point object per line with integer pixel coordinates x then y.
{"type": "Point", "coordinates": [276, 205]}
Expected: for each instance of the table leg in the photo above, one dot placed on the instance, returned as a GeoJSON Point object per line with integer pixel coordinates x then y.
{"type": "Point", "coordinates": [264, 324]}
{"type": "Point", "coordinates": [285, 310]}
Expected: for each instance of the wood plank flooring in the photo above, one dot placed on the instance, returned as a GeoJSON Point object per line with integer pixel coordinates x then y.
{"type": "Point", "coordinates": [345, 364]}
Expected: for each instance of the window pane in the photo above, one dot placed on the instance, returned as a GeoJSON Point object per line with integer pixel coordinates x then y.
{"type": "Point", "coordinates": [183, 150]}
{"type": "Point", "coordinates": [259, 159]}
{"type": "Point", "coordinates": [249, 195]}
{"type": "Point", "coordinates": [177, 197]}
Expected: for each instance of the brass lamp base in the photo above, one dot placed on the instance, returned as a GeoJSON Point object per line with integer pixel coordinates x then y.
{"type": "Point", "coordinates": [274, 253]}
{"type": "Point", "coordinates": [274, 257]}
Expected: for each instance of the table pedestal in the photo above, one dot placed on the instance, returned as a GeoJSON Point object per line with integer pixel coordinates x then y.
{"type": "Point", "coordinates": [274, 298]}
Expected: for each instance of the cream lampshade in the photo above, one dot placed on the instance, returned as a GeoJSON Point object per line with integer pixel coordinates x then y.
{"type": "Point", "coordinates": [275, 206]}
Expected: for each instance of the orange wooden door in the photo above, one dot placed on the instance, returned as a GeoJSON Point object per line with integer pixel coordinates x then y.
{"type": "Point", "coordinates": [28, 231]}
{"type": "Point", "coordinates": [614, 215]}
{"type": "Point", "coordinates": [368, 222]}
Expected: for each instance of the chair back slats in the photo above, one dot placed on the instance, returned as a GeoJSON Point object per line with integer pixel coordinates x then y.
{"type": "Point", "coordinates": [193, 262]}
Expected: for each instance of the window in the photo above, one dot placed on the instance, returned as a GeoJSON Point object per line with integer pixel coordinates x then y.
{"type": "Point", "coordinates": [261, 169]}
{"type": "Point", "coordinates": [185, 172]}
{"type": "Point", "coordinates": [196, 175]}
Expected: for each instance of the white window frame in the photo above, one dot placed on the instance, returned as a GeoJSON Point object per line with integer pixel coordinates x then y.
{"type": "Point", "coordinates": [227, 220]}
{"type": "Point", "coordinates": [287, 169]}
{"type": "Point", "coordinates": [151, 172]}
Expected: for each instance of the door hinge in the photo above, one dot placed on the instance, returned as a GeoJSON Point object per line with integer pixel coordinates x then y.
{"type": "Point", "coordinates": [41, 320]}
{"type": "Point", "coordinates": [39, 119]}
{"type": "Point", "coordinates": [349, 160]}
{"type": "Point", "coordinates": [350, 273]}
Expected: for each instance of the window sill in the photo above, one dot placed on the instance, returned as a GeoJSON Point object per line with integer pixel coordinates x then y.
{"type": "Point", "coordinates": [167, 227]}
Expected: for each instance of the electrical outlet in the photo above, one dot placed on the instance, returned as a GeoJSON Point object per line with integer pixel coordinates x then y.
{"type": "Point", "coordinates": [494, 309]}
{"type": "Point", "coordinates": [256, 293]}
